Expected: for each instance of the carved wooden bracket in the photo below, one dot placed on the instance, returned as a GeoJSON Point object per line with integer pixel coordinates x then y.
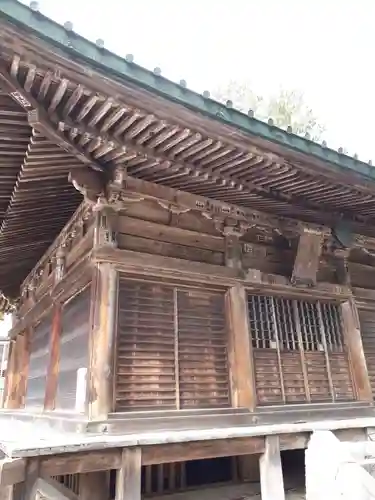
{"type": "Point", "coordinates": [106, 226]}
{"type": "Point", "coordinates": [307, 260]}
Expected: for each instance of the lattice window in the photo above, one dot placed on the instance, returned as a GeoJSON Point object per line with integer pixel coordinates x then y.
{"type": "Point", "coordinates": [172, 348]}
{"type": "Point", "coordinates": [299, 351]}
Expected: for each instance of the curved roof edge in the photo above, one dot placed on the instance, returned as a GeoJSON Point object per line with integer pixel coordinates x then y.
{"type": "Point", "coordinates": [99, 58]}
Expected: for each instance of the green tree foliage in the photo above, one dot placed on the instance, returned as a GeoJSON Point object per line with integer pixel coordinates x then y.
{"type": "Point", "coordinates": [287, 108]}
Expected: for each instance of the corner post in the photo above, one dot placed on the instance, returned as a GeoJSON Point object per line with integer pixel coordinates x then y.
{"type": "Point", "coordinates": [103, 334]}
{"type": "Point", "coordinates": [16, 376]}
{"type": "Point", "coordinates": [240, 352]}
{"type": "Point", "coordinates": [353, 340]}
{"type": "Point", "coordinates": [54, 359]}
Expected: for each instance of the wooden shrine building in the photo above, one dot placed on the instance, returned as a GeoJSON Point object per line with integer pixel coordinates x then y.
{"type": "Point", "coordinates": [192, 289]}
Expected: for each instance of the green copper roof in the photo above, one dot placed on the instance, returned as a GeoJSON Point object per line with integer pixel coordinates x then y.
{"type": "Point", "coordinates": [63, 37]}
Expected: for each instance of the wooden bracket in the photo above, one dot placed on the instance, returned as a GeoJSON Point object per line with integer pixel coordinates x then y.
{"type": "Point", "coordinates": [307, 260]}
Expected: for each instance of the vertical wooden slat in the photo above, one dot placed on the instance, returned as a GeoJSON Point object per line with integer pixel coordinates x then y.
{"type": "Point", "coordinates": [240, 351]}
{"type": "Point", "coordinates": [353, 339]}
{"type": "Point", "coordinates": [278, 346]}
{"type": "Point", "coordinates": [128, 481]}
{"type": "Point", "coordinates": [103, 340]}
{"type": "Point", "coordinates": [53, 366]}
{"type": "Point", "coordinates": [324, 342]}
{"type": "Point", "coordinates": [176, 349]}
{"type": "Point", "coordinates": [301, 351]}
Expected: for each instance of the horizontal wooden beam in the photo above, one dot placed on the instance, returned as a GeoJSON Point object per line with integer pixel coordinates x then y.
{"type": "Point", "coordinates": [91, 461]}
{"type": "Point", "coordinates": [12, 471]}
{"type": "Point", "coordinates": [220, 276]}
{"type": "Point", "coordinates": [199, 450]}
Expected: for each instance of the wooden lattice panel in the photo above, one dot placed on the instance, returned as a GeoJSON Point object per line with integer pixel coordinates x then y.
{"type": "Point", "coordinates": [299, 353]}
{"type": "Point", "coordinates": [145, 350]}
{"type": "Point", "coordinates": [267, 376]}
{"type": "Point", "coordinates": [171, 348]}
{"type": "Point", "coordinates": [202, 353]}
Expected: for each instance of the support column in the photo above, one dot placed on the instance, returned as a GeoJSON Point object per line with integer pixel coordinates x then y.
{"type": "Point", "coordinates": [271, 473]}
{"type": "Point", "coordinates": [16, 376]}
{"type": "Point", "coordinates": [103, 335]}
{"type": "Point", "coordinates": [128, 481]}
{"type": "Point", "coordinates": [239, 349]}
{"type": "Point", "coordinates": [54, 359]}
{"type": "Point", "coordinates": [353, 340]}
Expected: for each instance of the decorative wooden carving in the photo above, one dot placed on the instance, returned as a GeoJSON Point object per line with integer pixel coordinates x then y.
{"type": "Point", "coordinates": [88, 182]}
{"type": "Point", "coordinates": [306, 264]}
{"type": "Point", "coordinates": [60, 264]}
{"type": "Point", "coordinates": [232, 230]}
{"type": "Point", "coordinates": [106, 226]}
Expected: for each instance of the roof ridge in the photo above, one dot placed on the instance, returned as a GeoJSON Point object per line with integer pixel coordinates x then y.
{"type": "Point", "coordinates": [30, 18]}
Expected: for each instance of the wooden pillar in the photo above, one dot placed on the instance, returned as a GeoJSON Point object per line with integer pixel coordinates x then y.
{"type": "Point", "coordinates": [353, 340]}
{"type": "Point", "coordinates": [239, 349]}
{"type": "Point", "coordinates": [17, 370]}
{"type": "Point", "coordinates": [307, 260]}
{"type": "Point", "coordinates": [94, 485]}
{"type": "Point", "coordinates": [102, 345]}
{"type": "Point", "coordinates": [271, 473]}
{"type": "Point", "coordinates": [103, 335]}
{"type": "Point", "coordinates": [54, 360]}
{"type": "Point", "coordinates": [128, 481]}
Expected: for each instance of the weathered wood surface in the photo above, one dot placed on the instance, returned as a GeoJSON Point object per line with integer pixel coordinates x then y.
{"type": "Point", "coordinates": [271, 473]}
{"type": "Point", "coordinates": [307, 259]}
{"type": "Point", "coordinates": [12, 471]}
{"type": "Point", "coordinates": [240, 352]}
{"type": "Point", "coordinates": [357, 358]}
{"type": "Point", "coordinates": [100, 376]}
{"type": "Point", "coordinates": [54, 358]}
{"type": "Point", "coordinates": [128, 481]}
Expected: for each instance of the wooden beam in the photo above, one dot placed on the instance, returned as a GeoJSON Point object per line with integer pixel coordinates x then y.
{"type": "Point", "coordinates": [239, 349]}
{"type": "Point", "coordinates": [82, 462]}
{"type": "Point", "coordinates": [92, 461]}
{"type": "Point", "coordinates": [54, 359]}
{"type": "Point", "coordinates": [201, 450]}
{"type": "Point", "coordinates": [307, 260]}
{"type": "Point", "coordinates": [94, 486]}
{"type": "Point", "coordinates": [128, 481]}
{"type": "Point", "coordinates": [271, 473]}
{"type": "Point", "coordinates": [41, 121]}
{"type": "Point", "coordinates": [353, 340]}
{"type": "Point", "coordinates": [12, 471]}
{"type": "Point", "coordinates": [102, 342]}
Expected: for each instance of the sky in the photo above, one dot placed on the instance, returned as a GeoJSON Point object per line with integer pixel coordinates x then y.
{"type": "Point", "coordinates": [324, 48]}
